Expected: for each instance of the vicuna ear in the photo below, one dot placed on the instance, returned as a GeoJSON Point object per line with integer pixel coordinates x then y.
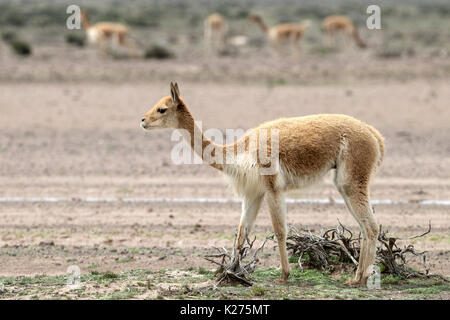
{"type": "Point", "coordinates": [174, 92]}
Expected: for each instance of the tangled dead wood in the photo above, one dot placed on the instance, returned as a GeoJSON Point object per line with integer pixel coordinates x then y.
{"type": "Point", "coordinates": [336, 248]}
{"type": "Point", "coordinates": [232, 267]}
{"type": "Point", "coordinates": [394, 259]}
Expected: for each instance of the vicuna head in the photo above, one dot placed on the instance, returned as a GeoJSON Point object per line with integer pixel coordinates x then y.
{"type": "Point", "coordinates": [167, 113]}
{"type": "Point", "coordinates": [255, 18]}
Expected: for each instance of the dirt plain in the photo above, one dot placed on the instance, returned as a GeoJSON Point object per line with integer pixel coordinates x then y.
{"type": "Point", "coordinates": [69, 128]}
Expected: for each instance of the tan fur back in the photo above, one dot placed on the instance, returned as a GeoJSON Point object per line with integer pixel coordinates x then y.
{"type": "Point", "coordinates": [310, 144]}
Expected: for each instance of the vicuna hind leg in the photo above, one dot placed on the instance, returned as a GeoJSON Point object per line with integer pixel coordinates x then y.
{"type": "Point", "coordinates": [356, 196]}
{"type": "Point", "coordinates": [362, 210]}
{"type": "Point", "coordinates": [330, 38]}
{"type": "Point", "coordinates": [277, 208]}
{"type": "Point", "coordinates": [207, 39]}
{"type": "Point", "coordinates": [296, 43]}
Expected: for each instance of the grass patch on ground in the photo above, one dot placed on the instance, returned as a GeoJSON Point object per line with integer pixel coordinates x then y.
{"type": "Point", "coordinates": [198, 283]}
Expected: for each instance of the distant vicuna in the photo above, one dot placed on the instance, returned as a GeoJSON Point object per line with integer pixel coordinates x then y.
{"type": "Point", "coordinates": [282, 34]}
{"type": "Point", "coordinates": [105, 34]}
{"type": "Point", "coordinates": [215, 32]}
{"type": "Point", "coordinates": [333, 25]}
{"type": "Point", "coordinates": [308, 147]}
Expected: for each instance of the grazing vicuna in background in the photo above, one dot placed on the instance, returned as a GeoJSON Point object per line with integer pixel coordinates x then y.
{"type": "Point", "coordinates": [215, 31]}
{"type": "Point", "coordinates": [288, 33]}
{"type": "Point", "coordinates": [340, 24]}
{"type": "Point", "coordinates": [308, 147]}
{"type": "Point", "coordinates": [105, 33]}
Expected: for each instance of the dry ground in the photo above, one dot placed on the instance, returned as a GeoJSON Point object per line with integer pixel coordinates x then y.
{"type": "Point", "coordinates": [70, 128]}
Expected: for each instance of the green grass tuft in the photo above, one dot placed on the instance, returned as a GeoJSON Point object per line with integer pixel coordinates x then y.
{"type": "Point", "coordinates": [109, 275]}
{"type": "Point", "coordinates": [258, 291]}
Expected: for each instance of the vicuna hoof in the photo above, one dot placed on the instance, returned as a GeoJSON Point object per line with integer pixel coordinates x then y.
{"type": "Point", "coordinates": [355, 283]}
{"type": "Point", "coordinates": [284, 277]}
{"type": "Point", "coordinates": [281, 281]}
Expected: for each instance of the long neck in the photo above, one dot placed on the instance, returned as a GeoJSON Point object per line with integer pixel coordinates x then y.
{"type": "Point", "coordinates": [357, 38]}
{"type": "Point", "coordinates": [199, 142]}
{"type": "Point", "coordinates": [262, 25]}
{"type": "Point", "coordinates": [85, 21]}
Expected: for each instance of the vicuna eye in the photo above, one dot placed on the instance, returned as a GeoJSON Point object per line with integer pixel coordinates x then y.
{"type": "Point", "coordinates": [161, 110]}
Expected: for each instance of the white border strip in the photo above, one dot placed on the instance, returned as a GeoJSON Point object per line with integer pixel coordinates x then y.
{"type": "Point", "coordinates": [207, 200]}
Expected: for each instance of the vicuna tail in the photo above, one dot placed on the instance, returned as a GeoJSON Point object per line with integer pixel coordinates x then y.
{"type": "Point", "coordinates": [380, 140]}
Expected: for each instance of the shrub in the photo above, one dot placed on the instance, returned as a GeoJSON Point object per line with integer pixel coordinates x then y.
{"type": "Point", "coordinates": [158, 52]}
{"type": "Point", "coordinates": [13, 17]}
{"type": "Point", "coordinates": [8, 36]}
{"type": "Point", "coordinates": [75, 39]}
{"type": "Point", "coordinates": [20, 47]}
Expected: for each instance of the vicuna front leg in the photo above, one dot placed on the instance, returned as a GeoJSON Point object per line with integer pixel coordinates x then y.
{"type": "Point", "coordinates": [277, 209]}
{"type": "Point", "coordinates": [250, 208]}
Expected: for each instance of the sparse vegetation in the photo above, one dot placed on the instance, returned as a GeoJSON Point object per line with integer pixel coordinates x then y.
{"type": "Point", "coordinates": [8, 36]}
{"type": "Point", "coordinates": [75, 39]}
{"type": "Point", "coordinates": [107, 275]}
{"type": "Point", "coordinates": [158, 52]}
{"type": "Point", "coordinates": [258, 291]}
{"type": "Point", "coordinates": [21, 47]}
{"type": "Point", "coordinates": [324, 50]}
{"type": "Point", "coordinates": [125, 260]}
{"type": "Point", "coordinates": [188, 284]}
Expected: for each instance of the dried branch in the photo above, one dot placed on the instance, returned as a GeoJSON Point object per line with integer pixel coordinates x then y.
{"type": "Point", "coordinates": [335, 248]}
{"type": "Point", "coordinates": [232, 268]}
{"type": "Point", "coordinates": [394, 259]}
{"type": "Point", "coordinates": [337, 245]}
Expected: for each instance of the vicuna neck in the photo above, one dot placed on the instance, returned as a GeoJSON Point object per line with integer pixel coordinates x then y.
{"type": "Point", "coordinates": [85, 22]}
{"type": "Point", "coordinates": [262, 25]}
{"type": "Point", "coordinates": [198, 141]}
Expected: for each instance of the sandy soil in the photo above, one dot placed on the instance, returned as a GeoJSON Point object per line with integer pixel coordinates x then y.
{"type": "Point", "coordinates": [83, 140]}
{"type": "Point", "coordinates": [56, 61]}
{"type": "Point", "coordinates": [93, 129]}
